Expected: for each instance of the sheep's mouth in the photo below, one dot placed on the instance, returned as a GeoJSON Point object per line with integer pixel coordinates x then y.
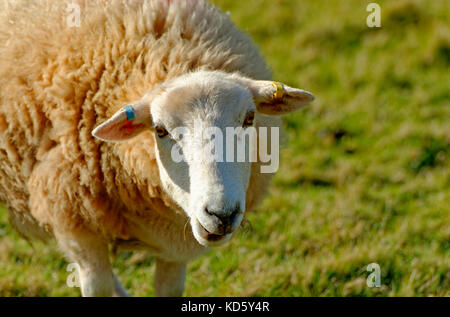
{"type": "Point", "coordinates": [207, 238]}
{"type": "Point", "coordinates": [211, 237]}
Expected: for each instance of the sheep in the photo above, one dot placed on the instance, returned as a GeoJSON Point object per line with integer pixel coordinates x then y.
{"type": "Point", "coordinates": [87, 115]}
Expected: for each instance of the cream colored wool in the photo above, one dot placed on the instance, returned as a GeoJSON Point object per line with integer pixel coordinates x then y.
{"type": "Point", "coordinates": [57, 83]}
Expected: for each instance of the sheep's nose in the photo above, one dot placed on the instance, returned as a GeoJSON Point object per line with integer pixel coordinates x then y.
{"type": "Point", "coordinates": [224, 220]}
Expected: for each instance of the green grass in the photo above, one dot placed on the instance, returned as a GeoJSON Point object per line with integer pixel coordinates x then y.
{"type": "Point", "coordinates": [365, 177]}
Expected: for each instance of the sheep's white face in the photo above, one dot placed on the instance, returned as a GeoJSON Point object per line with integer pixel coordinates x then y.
{"type": "Point", "coordinates": [191, 119]}
{"type": "Point", "coordinates": [198, 120]}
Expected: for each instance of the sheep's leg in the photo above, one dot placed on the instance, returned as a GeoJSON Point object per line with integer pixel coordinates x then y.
{"type": "Point", "coordinates": [119, 291]}
{"type": "Point", "coordinates": [169, 278]}
{"type": "Point", "coordinates": [55, 195]}
{"type": "Point", "coordinates": [91, 254]}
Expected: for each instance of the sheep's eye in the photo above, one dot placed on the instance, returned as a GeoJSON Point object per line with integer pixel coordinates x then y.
{"type": "Point", "coordinates": [249, 119]}
{"type": "Point", "coordinates": [161, 132]}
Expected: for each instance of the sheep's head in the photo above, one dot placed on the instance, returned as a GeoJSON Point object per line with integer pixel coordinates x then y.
{"type": "Point", "coordinates": [198, 120]}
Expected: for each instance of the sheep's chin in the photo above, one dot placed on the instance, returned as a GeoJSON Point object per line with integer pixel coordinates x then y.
{"type": "Point", "coordinates": [197, 230]}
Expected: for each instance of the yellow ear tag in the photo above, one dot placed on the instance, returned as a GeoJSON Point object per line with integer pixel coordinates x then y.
{"type": "Point", "coordinates": [279, 92]}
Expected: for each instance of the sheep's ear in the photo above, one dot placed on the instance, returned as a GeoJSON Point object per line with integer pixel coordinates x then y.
{"type": "Point", "coordinates": [274, 98]}
{"type": "Point", "coordinates": [125, 123]}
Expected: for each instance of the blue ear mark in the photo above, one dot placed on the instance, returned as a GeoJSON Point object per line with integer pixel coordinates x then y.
{"type": "Point", "coordinates": [129, 111]}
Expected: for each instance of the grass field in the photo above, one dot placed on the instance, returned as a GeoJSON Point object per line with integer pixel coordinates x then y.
{"type": "Point", "coordinates": [365, 177]}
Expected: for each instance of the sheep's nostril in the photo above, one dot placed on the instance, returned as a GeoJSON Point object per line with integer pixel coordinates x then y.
{"type": "Point", "coordinates": [209, 212]}
{"type": "Point", "coordinates": [227, 221]}
{"type": "Point", "coordinates": [216, 222]}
